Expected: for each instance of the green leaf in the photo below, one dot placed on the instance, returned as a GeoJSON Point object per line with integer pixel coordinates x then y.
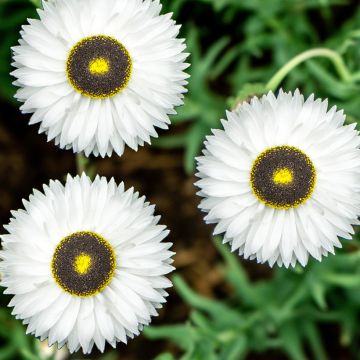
{"type": "Point", "coordinates": [343, 280]}
{"type": "Point", "coordinates": [335, 87]}
{"type": "Point", "coordinates": [314, 339]}
{"type": "Point", "coordinates": [236, 350]}
{"type": "Point", "coordinates": [194, 140]}
{"type": "Point", "coordinates": [37, 3]}
{"type": "Point", "coordinates": [166, 356]}
{"type": "Point", "coordinates": [291, 342]}
{"type": "Point", "coordinates": [216, 309]}
{"type": "Point", "coordinates": [182, 335]}
{"type": "Point", "coordinates": [318, 292]}
{"type": "Point", "coordinates": [28, 355]}
{"type": "Point", "coordinates": [236, 274]}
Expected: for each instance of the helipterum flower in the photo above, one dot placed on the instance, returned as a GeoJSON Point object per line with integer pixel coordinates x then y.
{"type": "Point", "coordinates": [281, 180]}
{"type": "Point", "coordinates": [99, 74]}
{"type": "Point", "coordinates": [85, 263]}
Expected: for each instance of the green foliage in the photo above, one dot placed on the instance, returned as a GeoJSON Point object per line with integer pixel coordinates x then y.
{"type": "Point", "coordinates": [13, 14]}
{"type": "Point", "coordinates": [284, 312]}
{"type": "Point", "coordinates": [236, 43]}
{"type": "Point", "coordinates": [17, 345]}
{"type": "Point", "coordinates": [203, 108]}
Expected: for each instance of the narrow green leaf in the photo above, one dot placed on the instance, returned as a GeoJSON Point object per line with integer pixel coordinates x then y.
{"type": "Point", "coordinates": [237, 350]}
{"type": "Point", "coordinates": [194, 140]}
{"type": "Point", "coordinates": [291, 342]}
{"type": "Point", "coordinates": [343, 280]}
{"type": "Point", "coordinates": [182, 335]}
{"type": "Point", "coordinates": [318, 293]}
{"type": "Point", "coordinates": [236, 274]}
{"type": "Point", "coordinates": [166, 356]}
{"type": "Point", "coordinates": [37, 3]}
{"type": "Point", "coordinates": [218, 310]}
{"type": "Point", "coordinates": [314, 339]}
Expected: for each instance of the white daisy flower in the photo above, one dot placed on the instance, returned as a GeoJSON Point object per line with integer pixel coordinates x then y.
{"type": "Point", "coordinates": [99, 74]}
{"type": "Point", "coordinates": [282, 180]}
{"type": "Point", "coordinates": [85, 263]}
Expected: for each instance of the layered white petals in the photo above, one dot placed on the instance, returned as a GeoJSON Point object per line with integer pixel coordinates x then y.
{"type": "Point", "coordinates": [134, 293]}
{"type": "Point", "coordinates": [101, 126]}
{"type": "Point", "coordinates": [256, 230]}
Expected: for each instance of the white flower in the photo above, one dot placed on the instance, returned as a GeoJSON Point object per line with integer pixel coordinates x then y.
{"type": "Point", "coordinates": [99, 74]}
{"type": "Point", "coordinates": [85, 263]}
{"type": "Point", "coordinates": [282, 180]}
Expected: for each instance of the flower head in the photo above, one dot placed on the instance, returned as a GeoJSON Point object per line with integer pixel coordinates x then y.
{"type": "Point", "coordinates": [281, 180]}
{"type": "Point", "coordinates": [99, 74]}
{"type": "Point", "coordinates": [85, 263]}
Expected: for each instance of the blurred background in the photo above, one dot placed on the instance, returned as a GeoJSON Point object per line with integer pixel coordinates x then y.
{"type": "Point", "coordinates": [221, 307]}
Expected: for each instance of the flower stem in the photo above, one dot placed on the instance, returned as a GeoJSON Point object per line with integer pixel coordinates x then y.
{"type": "Point", "coordinates": [333, 56]}
{"type": "Point", "coordinates": [82, 163]}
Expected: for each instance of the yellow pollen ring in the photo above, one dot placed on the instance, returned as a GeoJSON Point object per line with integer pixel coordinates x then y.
{"type": "Point", "coordinates": [99, 66]}
{"type": "Point", "coordinates": [283, 176]}
{"type": "Point", "coordinates": [82, 263]}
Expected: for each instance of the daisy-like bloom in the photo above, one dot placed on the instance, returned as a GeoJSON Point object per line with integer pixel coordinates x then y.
{"type": "Point", "coordinates": [86, 263]}
{"type": "Point", "coordinates": [99, 74]}
{"type": "Point", "coordinates": [282, 180]}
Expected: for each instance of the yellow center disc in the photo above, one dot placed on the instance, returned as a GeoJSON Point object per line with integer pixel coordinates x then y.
{"type": "Point", "coordinates": [99, 66]}
{"type": "Point", "coordinates": [283, 176]}
{"type": "Point", "coordinates": [82, 263]}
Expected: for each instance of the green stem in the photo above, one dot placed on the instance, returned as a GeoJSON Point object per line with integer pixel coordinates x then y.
{"type": "Point", "coordinates": [82, 163]}
{"type": "Point", "coordinates": [333, 56]}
